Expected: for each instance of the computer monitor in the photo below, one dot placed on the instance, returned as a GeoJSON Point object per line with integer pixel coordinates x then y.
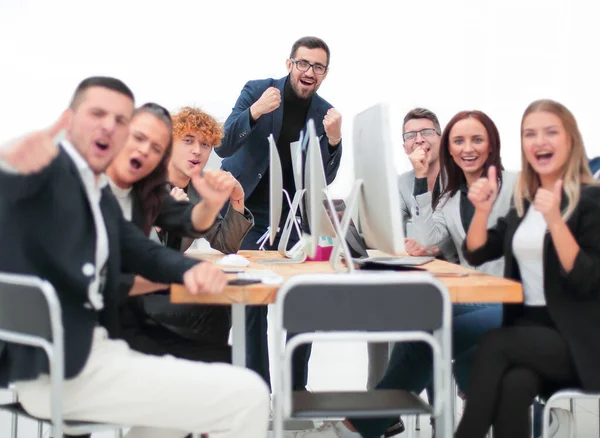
{"type": "Point", "coordinates": [318, 220]}
{"type": "Point", "coordinates": [379, 215]}
{"type": "Point", "coordinates": [275, 190]}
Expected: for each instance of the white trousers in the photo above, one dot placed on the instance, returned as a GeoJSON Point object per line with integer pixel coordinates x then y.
{"type": "Point", "coordinates": [160, 396]}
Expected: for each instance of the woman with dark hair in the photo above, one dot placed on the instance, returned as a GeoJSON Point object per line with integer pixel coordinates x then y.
{"type": "Point", "coordinates": [470, 144]}
{"type": "Point", "coordinates": [138, 177]}
{"type": "Point", "coordinates": [550, 240]}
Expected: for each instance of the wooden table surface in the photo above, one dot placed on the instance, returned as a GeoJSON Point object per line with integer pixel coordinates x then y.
{"type": "Point", "coordinates": [474, 288]}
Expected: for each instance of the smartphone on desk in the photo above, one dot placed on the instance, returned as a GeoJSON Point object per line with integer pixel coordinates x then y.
{"type": "Point", "coordinates": [242, 281]}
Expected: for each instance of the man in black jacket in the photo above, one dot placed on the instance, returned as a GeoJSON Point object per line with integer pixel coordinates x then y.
{"type": "Point", "coordinates": [58, 221]}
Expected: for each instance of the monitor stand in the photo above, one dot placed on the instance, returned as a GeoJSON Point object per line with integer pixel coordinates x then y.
{"type": "Point", "coordinates": [296, 254]}
{"type": "Point", "coordinates": [340, 247]}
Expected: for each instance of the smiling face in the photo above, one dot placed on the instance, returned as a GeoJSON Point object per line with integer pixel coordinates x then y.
{"type": "Point", "coordinates": [430, 142]}
{"type": "Point", "coordinates": [306, 83]}
{"type": "Point", "coordinates": [99, 126]}
{"type": "Point", "coordinates": [469, 146]}
{"type": "Point", "coordinates": [546, 144]}
{"type": "Point", "coordinates": [146, 146]}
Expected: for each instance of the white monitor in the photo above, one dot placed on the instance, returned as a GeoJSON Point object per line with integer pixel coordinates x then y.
{"type": "Point", "coordinates": [380, 218]}
{"type": "Point", "coordinates": [275, 190]}
{"type": "Point", "coordinates": [318, 220]}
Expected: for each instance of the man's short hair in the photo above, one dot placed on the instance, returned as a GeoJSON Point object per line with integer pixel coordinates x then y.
{"type": "Point", "coordinates": [310, 42]}
{"type": "Point", "coordinates": [422, 113]}
{"type": "Point", "coordinates": [99, 81]}
{"type": "Point", "coordinates": [189, 120]}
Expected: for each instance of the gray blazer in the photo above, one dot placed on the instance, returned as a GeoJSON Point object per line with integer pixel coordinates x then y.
{"type": "Point", "coordinates": [432, 227]}
{"type": "Point", "coordinates": [406, 182]}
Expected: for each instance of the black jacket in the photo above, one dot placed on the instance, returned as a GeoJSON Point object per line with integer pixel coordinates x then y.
{"type": "Point", "coordinates": [572, 299]}
{"type": "Point", "coordinates": [47, 230]}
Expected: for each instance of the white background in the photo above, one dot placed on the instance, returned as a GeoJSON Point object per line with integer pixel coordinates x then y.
{"type": "Point", "coordinates": [445, 55]}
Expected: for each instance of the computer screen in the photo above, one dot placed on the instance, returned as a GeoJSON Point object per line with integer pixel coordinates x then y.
{"type": "Point", "coordinates": [315, 182]}
{"type": "Point", "coordinates": [380, 218]}
{"type": "Point", "coordinates": [275, 189]}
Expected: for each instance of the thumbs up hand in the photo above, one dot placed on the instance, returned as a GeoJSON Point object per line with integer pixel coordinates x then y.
{"type": "Point", "coordinates": [34, 152]}
{"type": "Point", "coordinates": [484, 191]}
{"type": "Point", "coordinates": [547, 202]}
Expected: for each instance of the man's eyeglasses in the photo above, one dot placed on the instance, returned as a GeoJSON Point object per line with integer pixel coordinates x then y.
{"type": "Point", "coordinates": [304, 66]}
{"type": "Point", "coordinates": [411, 135]}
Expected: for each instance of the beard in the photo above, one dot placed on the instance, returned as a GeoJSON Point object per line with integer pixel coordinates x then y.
{"type": "Point", "coordinates": [303, 92]}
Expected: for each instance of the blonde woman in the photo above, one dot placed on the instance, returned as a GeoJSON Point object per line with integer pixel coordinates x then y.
{"type": "Point", "coordinates": [550, 242]}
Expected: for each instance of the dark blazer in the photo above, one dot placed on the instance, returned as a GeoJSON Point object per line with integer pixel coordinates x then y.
{"type": "Point", "coordinates": [595, 165]}
{"type": "Point", "coordinates": [572, 299]}
{"type": "Point", "coordinates": [245, 148]}
{"type": "Point", "coordinates": [225, 235]}
{"type": "Point", "coordinates": [47, 230]}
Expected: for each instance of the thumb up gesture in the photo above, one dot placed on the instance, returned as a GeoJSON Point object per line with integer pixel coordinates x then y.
{"type": "Point", "coordinates": [484, 191]}
{"type": "Point", "coordinates": [35, 151]}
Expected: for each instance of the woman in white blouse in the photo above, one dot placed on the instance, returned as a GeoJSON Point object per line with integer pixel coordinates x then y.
{"type": "Point", "coordinates": [551, 243]}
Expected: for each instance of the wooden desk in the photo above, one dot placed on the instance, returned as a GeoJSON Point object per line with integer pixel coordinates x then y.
{"type": "Point", "coordinates": [474, 288]}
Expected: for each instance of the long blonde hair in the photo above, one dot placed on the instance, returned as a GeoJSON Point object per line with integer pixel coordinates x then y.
{"type": "Point", "coordinates": [577, 170]}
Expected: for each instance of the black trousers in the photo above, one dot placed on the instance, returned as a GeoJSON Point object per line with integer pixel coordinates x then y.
{"type": "Point", "coordinates": [512, 366]}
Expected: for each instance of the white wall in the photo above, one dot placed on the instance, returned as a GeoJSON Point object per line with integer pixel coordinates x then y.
{"type": "Point", "coordinates": [445, 55]}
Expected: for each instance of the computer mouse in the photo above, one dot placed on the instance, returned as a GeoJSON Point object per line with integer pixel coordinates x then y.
{"type": "Point", "coordinates": [234, 260]}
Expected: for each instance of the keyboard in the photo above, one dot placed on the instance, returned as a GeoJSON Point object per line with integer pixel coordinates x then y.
{"type": "Point", "coordinates": [395, 260]}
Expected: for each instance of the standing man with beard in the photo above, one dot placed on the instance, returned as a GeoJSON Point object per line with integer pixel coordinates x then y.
{"type": "Point", "coordinates": [280, 107]}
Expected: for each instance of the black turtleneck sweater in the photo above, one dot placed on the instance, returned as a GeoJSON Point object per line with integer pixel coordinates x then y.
{"type": "Point", "coordinates": [294, 120]}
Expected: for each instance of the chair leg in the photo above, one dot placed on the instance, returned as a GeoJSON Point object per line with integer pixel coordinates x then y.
{"type": "Point", "coordinates": [410, 430]}
{"type": "Point", "coordinates": [14, 419]}
{"type": "Point", "coordinates": [40, 429]}
{"type": "Point", "coordinates": [418, 422]}
{"type": "Point", "coordinates": [119, 433]}
{"type": "Point", "coordinates": [572, 406]}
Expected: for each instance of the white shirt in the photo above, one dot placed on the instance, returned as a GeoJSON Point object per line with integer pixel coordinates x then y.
{"type": "Point", "coordinates": [124, 197]}
{"type": "Point", "coordinates": [93, 190]}
{"type": "Point", "coordinates": [528, 248]}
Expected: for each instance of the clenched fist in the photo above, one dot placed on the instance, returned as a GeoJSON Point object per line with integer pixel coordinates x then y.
{"type": "Point", "coordinates": [268, 102]}
{"type": "Point", "coordinates": [419, 158]}
{"type": "Point", "coordinates": [332, 122]}
{"type": "Point", "coordinates": [35, 151]}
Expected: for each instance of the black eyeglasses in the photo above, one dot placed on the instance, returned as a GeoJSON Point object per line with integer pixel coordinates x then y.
{"type": "Point", "coordinates": [411, 135]}
{"type": "Point", "coordinates": [303, 65]}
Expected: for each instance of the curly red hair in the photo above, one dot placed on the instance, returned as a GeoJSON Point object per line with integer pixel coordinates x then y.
{"type": "Point", "coordinates": [193, 120]}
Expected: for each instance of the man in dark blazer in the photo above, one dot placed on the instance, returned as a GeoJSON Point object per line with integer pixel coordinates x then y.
{"type": "Point", "coordinates": [595, 167]}
{"type": "Point", "coordinates": [280, 107]}
{"type": "Point", "coordinates": [59, 221]}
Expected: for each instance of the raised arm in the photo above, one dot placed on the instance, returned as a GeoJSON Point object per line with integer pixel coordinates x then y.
{"type": "Point", "coordinates": [481, 244]}
{"type": "Point", "coordinates": [250, 106]}
{"type": "Point", "coordinates": [331, 144]}
{"type": "Point", "coordinates": [578, 255]}
{"type": "Point", "coordinates": [28, 163]}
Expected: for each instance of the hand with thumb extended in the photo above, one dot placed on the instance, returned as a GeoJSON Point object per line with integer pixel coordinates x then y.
{"type": "Point", "coordinates": [35, 151]}
{"type": "Point", "coordinates": [484, 191]}
{"type": "Point", "coordinates": [548, 202]}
